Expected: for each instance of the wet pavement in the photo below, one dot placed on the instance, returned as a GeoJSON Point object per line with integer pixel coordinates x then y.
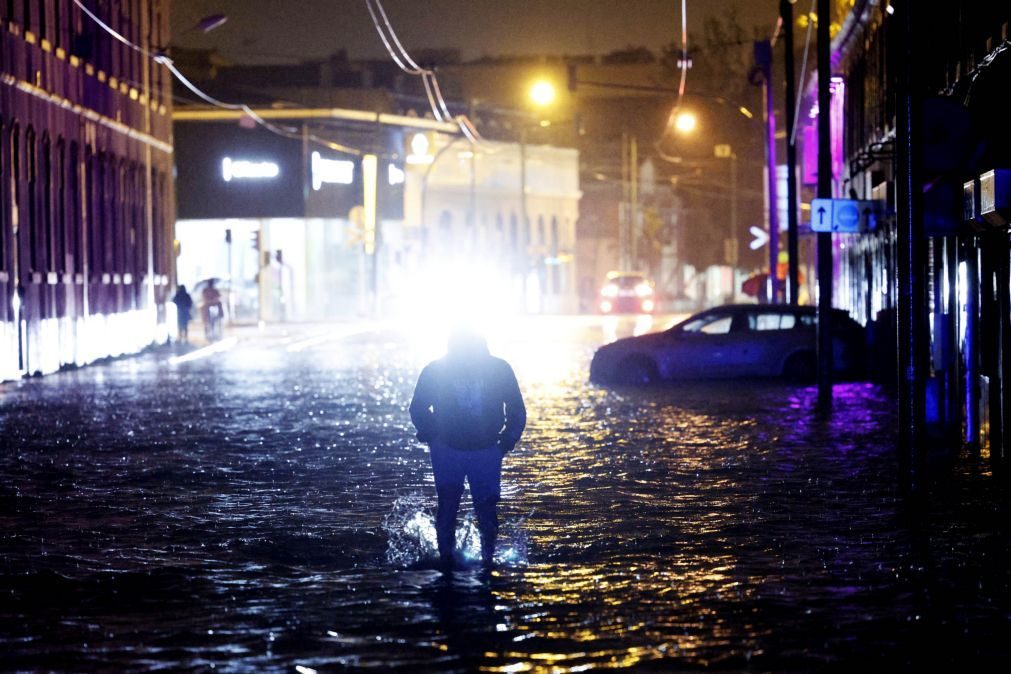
{"type": "Point", "coordinates": [265, 508]}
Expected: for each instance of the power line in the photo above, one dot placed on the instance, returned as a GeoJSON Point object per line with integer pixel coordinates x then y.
{"type": "Point", "coordinates": [403, 59]}
{"type": "Point", "coordinates": [163, 60]}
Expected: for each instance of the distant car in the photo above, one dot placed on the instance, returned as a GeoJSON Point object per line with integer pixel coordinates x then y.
{"type": "Point", "coordinates": [735, 340]}
{"type": "Point", "coordinates": [627, 292]}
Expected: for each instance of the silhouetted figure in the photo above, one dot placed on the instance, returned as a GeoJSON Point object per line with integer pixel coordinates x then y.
{"type": "Point", "coordinates": [184, 312]}
{"type": "Point", "coordinates": [212, 311]}
{"type": "Point", "coordinates": [468, 408]}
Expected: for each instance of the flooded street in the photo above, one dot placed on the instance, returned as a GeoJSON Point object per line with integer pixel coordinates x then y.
{"type": "Point", "coordinates": [266, 508]}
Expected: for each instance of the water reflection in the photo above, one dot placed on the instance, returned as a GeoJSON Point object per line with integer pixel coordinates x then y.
{"type": "Point", "coordinates": [262, 512]}
{"type": "Point", "coordinates": [616, 327]}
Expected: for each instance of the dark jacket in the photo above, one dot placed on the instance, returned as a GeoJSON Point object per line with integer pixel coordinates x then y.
{"type": "Point", "coordinates": [469, 401]}
{"type": "Point", "coordinates": [184, 304]}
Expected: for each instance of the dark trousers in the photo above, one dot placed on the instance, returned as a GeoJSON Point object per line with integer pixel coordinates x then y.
{"type": "Point", "coordinates": [482, 469]}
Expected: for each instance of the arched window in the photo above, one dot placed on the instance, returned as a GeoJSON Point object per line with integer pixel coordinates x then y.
{"type": "Point", "coordinates": [32, 174]}
{"type": "Point", "coordinates": [47, 196]}
{"type": "Point", "coordinates": [60, 215]}
{"type": "Point", "coordinates": [3, 207]}
{"type": "Point", "coordinates": [75, 223]}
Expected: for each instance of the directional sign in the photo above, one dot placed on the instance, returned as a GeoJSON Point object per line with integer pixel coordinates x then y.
{"type": "Point", "coordinates": [761, 237]}
{"type": "Point", "coordinates": [845, 215]}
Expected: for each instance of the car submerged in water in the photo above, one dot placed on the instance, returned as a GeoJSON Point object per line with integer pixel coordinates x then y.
{"type": "Point", "coordinates": [732, 341]}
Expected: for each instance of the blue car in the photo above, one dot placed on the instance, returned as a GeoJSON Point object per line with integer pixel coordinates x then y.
{"type": "Point", "coordinates": [735, 340]}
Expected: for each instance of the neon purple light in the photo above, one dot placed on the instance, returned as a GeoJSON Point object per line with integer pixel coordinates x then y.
{"type": "Point", "coordinates": [836, 109]}
{"type": "Point", "coordinates": [809, 143]}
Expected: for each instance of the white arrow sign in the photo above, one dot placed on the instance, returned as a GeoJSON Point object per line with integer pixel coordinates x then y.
{"type": "Point", "coordinates": [761, 237]}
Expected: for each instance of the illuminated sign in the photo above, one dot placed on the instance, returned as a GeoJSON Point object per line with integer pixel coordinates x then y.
{"type": "Point", "coordinates": [242, 169]}
{"type": "Point", "coordinates": [846, 215]}
{"type": "Point", "coordinates": [421, 149]}
{"type": "Point", "coordinates": [394, 175]}
{"type": "Point", "coordinates": [331, 171]}
{"type": "Point", "coordinates": [837, 126]}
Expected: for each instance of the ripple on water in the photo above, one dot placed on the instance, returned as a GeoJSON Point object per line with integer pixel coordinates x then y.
{"type": "Point", "coordinates": [258, 517]}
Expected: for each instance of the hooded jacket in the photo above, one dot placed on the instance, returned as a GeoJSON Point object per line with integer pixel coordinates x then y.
{"type": "Point", "coordinates": [468, 399]}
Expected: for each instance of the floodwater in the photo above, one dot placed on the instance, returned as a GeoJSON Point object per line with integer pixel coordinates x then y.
{"type": "Point", "coordinates": [266, 509]}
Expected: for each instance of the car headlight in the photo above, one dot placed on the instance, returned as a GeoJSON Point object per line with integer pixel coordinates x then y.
{"type": "Point", "coordinates": [643, 290]}
{"type": "Point", "coordinates": [610, 290]}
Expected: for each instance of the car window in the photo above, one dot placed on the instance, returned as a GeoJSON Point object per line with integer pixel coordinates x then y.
{"type": "Point", "coordinates": [713, 324]}
{"type": "Point", "coordinates": [771, 321]}
{"type": "Point", "coordinates": [628, 282]}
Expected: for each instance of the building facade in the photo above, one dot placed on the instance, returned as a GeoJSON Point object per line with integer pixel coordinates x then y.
{"type": "Point", "coordinates": [85, 183]}
{"type": "Point", "coordinates": [284, 222]}
{"type": "Point", "coordinates": [953, 257]}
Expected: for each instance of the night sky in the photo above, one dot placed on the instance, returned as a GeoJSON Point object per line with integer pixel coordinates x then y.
{"type": "Point", "coordinates": [261, 31]}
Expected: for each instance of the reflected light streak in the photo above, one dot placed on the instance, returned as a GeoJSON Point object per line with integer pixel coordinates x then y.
{"type": "Point", "coordinates": [209, 350]}
{"type": "Point", "coordinates": [304, 344]}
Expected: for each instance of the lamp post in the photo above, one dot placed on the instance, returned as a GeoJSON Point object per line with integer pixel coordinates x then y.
{"type": "Point", "coordinates": [725, 151]}
{"type": "Point", "coordinates": [542, 96]}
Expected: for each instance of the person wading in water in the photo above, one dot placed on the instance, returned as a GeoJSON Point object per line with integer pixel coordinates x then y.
{"type": "Point", "coordinates": [468, 409]}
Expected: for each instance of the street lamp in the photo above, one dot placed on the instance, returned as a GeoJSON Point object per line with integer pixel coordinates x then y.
{"type": "Point", "coordinates": [542, 93]}
{"type": "Point", "coordinates": [685, 121]}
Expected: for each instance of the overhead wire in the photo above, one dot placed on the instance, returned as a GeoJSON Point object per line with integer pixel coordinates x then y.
{"type": "Point", "coordinates": [402, 58]}
{"type": "Point", "coordinates": [164, 60]}
{"type": "Point", "coordinates": [684, 50]}
{"type": "Point", "coordinates": [683, 64]}
{"type": "Point", "coordinates": [803, 74]}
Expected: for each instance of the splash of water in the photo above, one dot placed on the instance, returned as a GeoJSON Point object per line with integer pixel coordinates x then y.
{"type": "Point", "coordinates": [410, 531]}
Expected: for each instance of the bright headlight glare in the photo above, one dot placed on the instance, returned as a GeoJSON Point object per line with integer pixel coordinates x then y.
{"type": "Point", "coordinates": [610, 290]}
{"type": "Point", "coordinates": [643, 290]}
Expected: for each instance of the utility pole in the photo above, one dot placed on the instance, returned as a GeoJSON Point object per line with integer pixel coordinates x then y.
{"type": "Point", "coordinates": [633, 194]}
{"type": "Point", "coordinates": [824, 192]}
{"type": "Point", "coordinates": [911, 331]}
{"type": "Point", "coordinates": [623, 252]}
{"type": "Point", "coordinates": [763, 57]}
{"type": "Point", "coordinates": [786, 13]}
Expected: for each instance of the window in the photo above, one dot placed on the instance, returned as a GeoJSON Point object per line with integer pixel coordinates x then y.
{"type": "Point", "coordinates": [712, 324]}
{"type": "Point", "coordinates": [76, 225]}
{"type": "Point", "coordinates": [3, 200]}
{"type": "Point", "coordinates": [771, 321]}
{"type": "Point", "coordinates": [3, 208]}
{"type": "Point", "coordinates": [31, 150]}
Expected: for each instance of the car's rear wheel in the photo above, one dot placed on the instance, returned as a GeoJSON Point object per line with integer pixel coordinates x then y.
{"type": "Point", "coordinates": [637, 371]}
{"type": "Point", "coordinates": [801, 367]}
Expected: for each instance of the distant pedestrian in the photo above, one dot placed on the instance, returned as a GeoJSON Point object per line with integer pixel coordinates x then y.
{"type": "Point", "coordinates": [468, 408]}
{"type": "Point", "coordinates": [184, 312]}
{"type": "Point", "coordinates": [212, 311]}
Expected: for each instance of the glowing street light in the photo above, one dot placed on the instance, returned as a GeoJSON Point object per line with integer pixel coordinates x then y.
{"type": "Point", "coordinates": [542, 93]}
{"type": "Point", "coordinates": [685, 121]}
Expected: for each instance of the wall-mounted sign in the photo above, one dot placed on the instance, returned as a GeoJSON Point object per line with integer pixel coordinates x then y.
{"type": "Point", "coordinates": [845, 215]}
{"type": "Point", "coordinates": [243, 169]}
{"type": "Point", "coordinates": [394, 175]}
{"type": "Point", "coordinates": [331, 171]}
{"type": "Point", "coordinates": [421, 149]}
